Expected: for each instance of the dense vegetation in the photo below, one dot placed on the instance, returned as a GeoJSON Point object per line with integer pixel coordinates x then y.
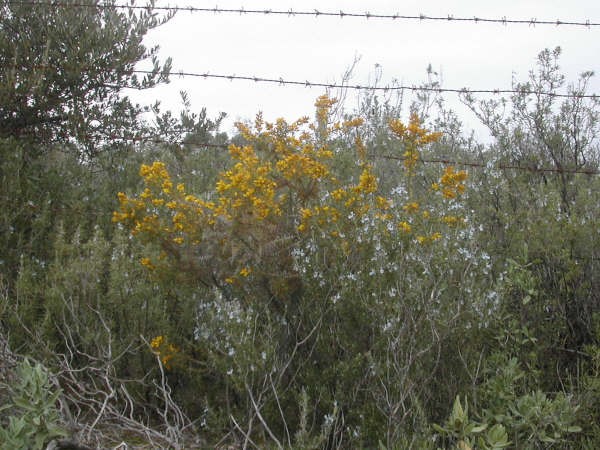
{"type": "Point", "coordinates": [325, 283]}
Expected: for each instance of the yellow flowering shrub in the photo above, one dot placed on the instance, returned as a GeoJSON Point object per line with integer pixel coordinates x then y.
{"type": "Point", "coordinates": [279, 190]}
{"type": "Point", "coordinates": [240, 230]}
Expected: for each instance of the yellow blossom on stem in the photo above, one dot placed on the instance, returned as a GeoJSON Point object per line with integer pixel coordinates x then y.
{"type": "Point", "coordinates": [352, 123]}
{"type": "Point", "coordinates": [413, 136]}
{"type": "Point", "coordinates": [405, 226]}
{"type": "Point", "coordinates": [452, 220]}
{"type": "Point", "coordinates": [339, 194]}
{"type": "Point", "coordinates": [411, 207]}
{"type": "Point", "coordinates": [323, 105]}
{"type": "Point", "coordinates": [164, 350]}
{"type": "Point", "coordinates": [147, 263]}
{"type": "Point", "coordinates": [413, 132]}
{"type": "Point", "coordinates": [383, 203]}
{"type": "Point", "coordinates": [156, 342]}
{"type": "Point", "coordinates": [367, 182]}
{"type": "Point", "coordinates": [452, 182]}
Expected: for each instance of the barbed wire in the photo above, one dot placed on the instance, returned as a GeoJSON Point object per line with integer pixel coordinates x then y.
{"type": "Point", "coordinates": [500, 166]}
{"type": "Point", "coordinates": [399, 87]}
{"type": "Point", "coordinates": [159, 140]}
{"type": "Point", "coordinates": [314, 13]}
{"type": "Point", "coordinates": [445, 161]}
{"type": "Point", "coordinates": [310, 84]}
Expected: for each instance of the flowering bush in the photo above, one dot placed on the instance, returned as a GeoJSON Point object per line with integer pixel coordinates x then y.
{"type": "Point", "coordinates": [302, 249]}
{"type": "Point", "coordinates": [280, 191]}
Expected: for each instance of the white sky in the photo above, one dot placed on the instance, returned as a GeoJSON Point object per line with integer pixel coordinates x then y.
{"type": "Point", "coordinates": [478, 56]}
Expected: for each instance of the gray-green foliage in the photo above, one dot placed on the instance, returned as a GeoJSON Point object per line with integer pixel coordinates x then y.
{"type": "Point", "coordinates": [531, 421]}
{"type": "Point", "coordinates": [63, 70]}
{"type": "Point", "coordinates": [31, 419]}
{"type": "Point", "coordinates": [54, 91]}
{"type": "Point", "coordinates": [89, 283]}
{"type": "Point", "coordinates": [541, 228]}
{"type": "Point", "coordinates": [466, 433]}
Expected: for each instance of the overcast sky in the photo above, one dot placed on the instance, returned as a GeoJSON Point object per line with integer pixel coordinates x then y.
{"type": "Point", "coordinates": [477, 56]}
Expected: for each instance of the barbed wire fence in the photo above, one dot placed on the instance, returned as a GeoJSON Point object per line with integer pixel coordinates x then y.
{"type": "Point", "coordinates": [281, 81]}
{"type": "Point", "coordinates": [360, 87]}
{"type": "Point", "coordinates": [414, 88]}
{"type": "Point", "coordinates": [315, 13]}
{"type": "Point", "coordinates": [444, 161]}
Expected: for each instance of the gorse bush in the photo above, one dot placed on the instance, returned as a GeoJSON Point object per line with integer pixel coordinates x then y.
{"type": "Point", "coordinates": [309, 276]}
{"type": "Point", "coordinates": [280, 191]}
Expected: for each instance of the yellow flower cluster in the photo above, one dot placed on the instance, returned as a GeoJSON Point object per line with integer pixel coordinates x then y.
{"type": "Point", "coordinates": [147, 263]}
{"type": "Point", "coordinates": [431, 238]}
{"type": "Point", "coordinates": [163, 212]}
{"type": "Point", "coordinates": [156, 174]}
{"type": "Point", "coordinates": [367, 183]}
{"type": "Point", "coordinates": [353, 201]}
{"type": "Point", "coordinates": [247, 189]}
{"type": "Point", "coordinates": [280, 183]}
{"type": "Point", "coordinates": [164, 350]}
{"type": "Point", "coordinates": [259, 184]}
{"type": "Point", "coordinates": [405, 226]}
{"type": "Point", "coordinates": [284, 167]}
{"type": "Point", "coordinates": [413, 137]}
{"type": "Point", "coordinates": [413, 133]}
{"type": "Point", "coordinates": [453, 221]}
{"type": "Point", "coordinates": [323, 106]}
{"type": "Point", "coordinates": [451, 183]}
{"type": "Point", "coordinates": [411, 207]}
{"type": "Point", "coordinates": [353, 123]}
{"type": "Point", "coordinates": [320, 215]}
{"type": "Point", "coordinates": [299, 166]}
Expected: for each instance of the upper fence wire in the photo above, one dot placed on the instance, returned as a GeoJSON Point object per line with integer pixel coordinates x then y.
{"type": "Point", "coordinates": [533, 21]}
